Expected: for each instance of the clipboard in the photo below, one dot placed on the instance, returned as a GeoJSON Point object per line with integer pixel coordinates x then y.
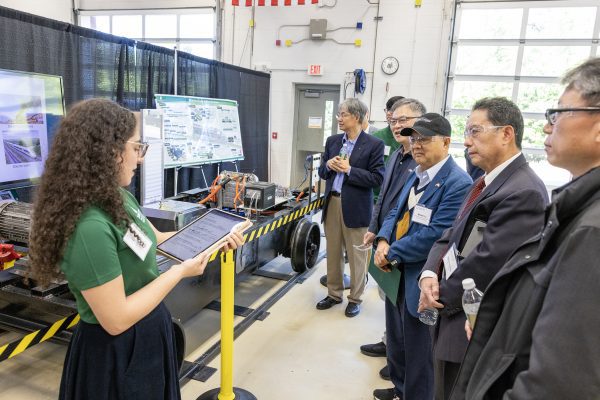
{"type": "Point", "coordinates": [475, 237]}
{"type": "Point", "coordinates": [389, 282]}
{"type": "Point", "coordinates": [205, 234]}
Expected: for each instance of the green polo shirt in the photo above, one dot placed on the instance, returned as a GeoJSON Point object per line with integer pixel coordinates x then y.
{"type": "Point", "coordinates": [96, 254]}
{"type": "Point", "coordinates": [391, 146]}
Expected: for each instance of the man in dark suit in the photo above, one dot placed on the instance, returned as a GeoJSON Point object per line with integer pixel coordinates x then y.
{"type": "Point", "coordinates": [405, 113]}
{"type": "Point", "coordinates": [353, 168]}
{"type": "Point", "coordinates": [536, 335]}
{"type": "Point", "coordinates": [503, 209]}
{"type": "Point", "coordinates": [427, 205]}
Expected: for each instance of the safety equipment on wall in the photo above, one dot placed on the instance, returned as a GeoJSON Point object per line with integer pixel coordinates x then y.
{"type": "Point", "coordinates": [360, 81]}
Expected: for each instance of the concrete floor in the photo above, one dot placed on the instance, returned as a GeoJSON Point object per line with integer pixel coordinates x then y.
{"type": "Point", "coordinates": [297, 352]}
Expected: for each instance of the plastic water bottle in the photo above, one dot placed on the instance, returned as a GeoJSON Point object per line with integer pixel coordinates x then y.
{"type": "Point", "coordinates": [344, 151]}
{"type": "Point", "coordinates": [471, 300]}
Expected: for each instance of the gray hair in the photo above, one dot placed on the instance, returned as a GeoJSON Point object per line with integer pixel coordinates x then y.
{"type": "Point", "coordinates": [413, 104]}
{"type": "Point", "coordinates": [585, 78]}
{"type": "Point", "coordinates": [501, 112]}
{"type": "Point", "coordinates": [356, 108]}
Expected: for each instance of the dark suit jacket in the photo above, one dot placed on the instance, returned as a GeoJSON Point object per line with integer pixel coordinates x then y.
{"type": "Point", "coordinates": [394, 179]}
{"type": "Point", "coordinates": [366, 162]}
{"type": "Point", "coordinates": [536, 335]}
{"type": "Point", "coordinates": [513, 208]}
{"type": "Point", "coordinates": [443, 196]}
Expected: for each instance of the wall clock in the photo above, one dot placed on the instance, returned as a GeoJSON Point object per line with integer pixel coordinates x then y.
{"type": "Point", "coordinates": [390, 65]}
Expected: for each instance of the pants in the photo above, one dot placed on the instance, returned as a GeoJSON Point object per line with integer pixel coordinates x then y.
{"type": "Point", "coordinates": [409, 351]}
{"type": "Point", "coordinates": [339, 237]}
{"type": "Point", "coordinates": [445, 374]}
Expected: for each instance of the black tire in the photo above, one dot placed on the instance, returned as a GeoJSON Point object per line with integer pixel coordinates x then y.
{"type": "Point", "coordinates": [305, 244]}
{"type": "Point", "coordinates": [179, 342]}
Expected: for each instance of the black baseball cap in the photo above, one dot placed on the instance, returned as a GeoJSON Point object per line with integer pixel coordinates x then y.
{"type": "Point", "coordinates": [430, 124]}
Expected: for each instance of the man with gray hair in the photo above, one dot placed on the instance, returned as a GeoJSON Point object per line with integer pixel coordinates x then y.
{"type": "Point", "coordinates": [504, 208]}
{"type": "Point", "coordinates": [537, 327]}
{"type": "Point", "coordinates": [403, 114]}
{"type": "Point", "coordinates": [352, 167]}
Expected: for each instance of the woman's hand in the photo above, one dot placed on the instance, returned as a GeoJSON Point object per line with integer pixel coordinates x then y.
{"type": "Point", "coordinates": [235, 240]}
{"type": "Point", "coordinates": [194, 266]}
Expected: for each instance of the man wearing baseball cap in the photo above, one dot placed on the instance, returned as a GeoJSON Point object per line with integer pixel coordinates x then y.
{"type": "Point", "coordinates": [427, 205]}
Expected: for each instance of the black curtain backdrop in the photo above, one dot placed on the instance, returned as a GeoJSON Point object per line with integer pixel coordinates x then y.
{"type": "Point", "coordinates": [95, 64]}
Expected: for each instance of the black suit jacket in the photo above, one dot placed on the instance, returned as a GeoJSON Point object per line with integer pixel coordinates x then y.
{"type": "Point", "coordinates": [513, 208]}
{"type": "Point", "coordinates": [366, 162]}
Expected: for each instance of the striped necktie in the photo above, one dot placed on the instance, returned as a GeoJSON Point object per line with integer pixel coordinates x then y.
{"type": "Point", "coordinates": [473, 195]}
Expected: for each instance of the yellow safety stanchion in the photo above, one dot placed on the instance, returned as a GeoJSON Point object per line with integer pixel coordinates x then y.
{"type": "Point", "coordinates": [227, 391]}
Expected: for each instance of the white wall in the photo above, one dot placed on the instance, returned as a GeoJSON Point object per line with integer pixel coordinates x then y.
{"type": "Point", "coordinates": [54, 9]}
{"type": "Point", "coordinates": [418, 37]}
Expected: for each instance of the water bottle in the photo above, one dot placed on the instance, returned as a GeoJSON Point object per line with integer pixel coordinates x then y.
{"type": "Point", "coordinates": [344, 151]}
{"type": "Point", "coordinates": [471, 300]}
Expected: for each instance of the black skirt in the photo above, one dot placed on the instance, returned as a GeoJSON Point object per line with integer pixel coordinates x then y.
{"type": "Point", "coordinates": [140, 363]}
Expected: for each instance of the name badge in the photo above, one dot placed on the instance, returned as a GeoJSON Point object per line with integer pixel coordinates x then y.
{"type": "Point", "coordinates": [450, 261]}
{"type": "Point", "coordinates": [137, 241]}
{"type": "Point", "coordinates": [386, 150]}
{"type": "Point", "coordinates": [421, 215]}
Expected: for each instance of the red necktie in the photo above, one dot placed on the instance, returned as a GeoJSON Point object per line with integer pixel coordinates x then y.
{"type": "Point", "coordinates": [473, 195]}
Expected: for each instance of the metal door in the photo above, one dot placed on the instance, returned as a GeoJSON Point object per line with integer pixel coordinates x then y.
{"type": "Point", "coordinates": [315, 109]}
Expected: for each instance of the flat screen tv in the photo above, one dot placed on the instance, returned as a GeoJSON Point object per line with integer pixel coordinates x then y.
{"type": "Point", "coordinates": [31, 106]}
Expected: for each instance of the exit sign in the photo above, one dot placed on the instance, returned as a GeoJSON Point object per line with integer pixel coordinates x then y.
{"type": "Point", "coordinates": [315, 69]}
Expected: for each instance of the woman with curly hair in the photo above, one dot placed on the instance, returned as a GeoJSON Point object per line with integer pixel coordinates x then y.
{"type": "Point", "coordinates": [90, 228]}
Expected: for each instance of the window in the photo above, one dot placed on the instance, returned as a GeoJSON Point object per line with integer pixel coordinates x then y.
{"type": "Point", "coordinates": [192, 31]}
{"type": "Point", "coordinates": [519, 50]}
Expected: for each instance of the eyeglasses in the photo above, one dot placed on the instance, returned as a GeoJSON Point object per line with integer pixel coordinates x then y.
{"type": "Point", "coordinates": [401, 120]}
{"type": "Point", "coordinates": [475, 130]}
{"type": "Point", "coordinates": [552, 113]}
{"type": "Point", "coordinates": [141, 148]}
{"type": "Point", "coordinates": [423, 140]}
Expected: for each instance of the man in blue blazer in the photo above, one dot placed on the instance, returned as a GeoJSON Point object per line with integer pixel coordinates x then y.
{"type": "Point", "coordinates": [353, 168]}
{"type": "Point", "coordinates": [400, 166]}
{"type": "Point", "coordinates": [427, 205]}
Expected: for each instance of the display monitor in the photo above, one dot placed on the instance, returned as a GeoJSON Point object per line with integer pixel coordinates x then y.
{"type": "Point", "coordinates": [31, 106]}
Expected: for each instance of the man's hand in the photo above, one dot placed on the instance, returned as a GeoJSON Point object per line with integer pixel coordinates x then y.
{"type": "Point", "coordinates": [334, 164]}
{"type": "Point", "coordinates": [381, 262]}
{"type": "Point", "coordinates": [369, 238]}
{"type": "Point", "coordinates": [430, 294]}
{"type": "Point", "coordinates": [344, 165]}
{"type": "Point", "coordinates": [468, 329]}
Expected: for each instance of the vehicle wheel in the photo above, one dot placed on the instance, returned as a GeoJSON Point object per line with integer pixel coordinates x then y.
{"type": "Point", "coordinates": [305, 244]}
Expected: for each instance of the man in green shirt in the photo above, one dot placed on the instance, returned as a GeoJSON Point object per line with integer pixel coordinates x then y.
{"type": "Point", "coordinates": [385, 134]}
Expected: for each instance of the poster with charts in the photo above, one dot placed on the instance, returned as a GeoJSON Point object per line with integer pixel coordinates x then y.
{"type": "Point", "coordinates": [199, 130]}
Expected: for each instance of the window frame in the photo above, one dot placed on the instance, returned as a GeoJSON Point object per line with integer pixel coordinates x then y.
{"type": "Point", "coordinates": [522, 42]}
{"type": "Point", "coordinates": [167, 11]}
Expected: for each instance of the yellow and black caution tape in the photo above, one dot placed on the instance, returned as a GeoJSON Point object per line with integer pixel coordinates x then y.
{"type": "Point", "coordinates": [276, 224]}
{"type": "Point", "coordinates": [18, 346]}
{"type": "Point", "coordinates": [281, 221]}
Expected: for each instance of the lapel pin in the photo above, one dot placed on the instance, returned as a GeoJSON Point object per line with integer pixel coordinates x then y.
{"type": "Point", "coordinates": [437, 184]}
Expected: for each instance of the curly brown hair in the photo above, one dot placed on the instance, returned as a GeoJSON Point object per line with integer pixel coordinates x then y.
{"type": "Point", "coordinates": [82, 170]}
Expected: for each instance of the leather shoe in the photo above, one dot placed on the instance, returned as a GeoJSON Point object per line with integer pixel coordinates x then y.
{"type": "Point", "coordinates": [385, 394]}
{"type": "Point", "coordinates": [384, 373]}
{"type": "Point", "coordinates": [352, 309]}
{"type": "Point", "coordinates": [327, 302]}
{"type": "Point", "coordinates": [373, 350]}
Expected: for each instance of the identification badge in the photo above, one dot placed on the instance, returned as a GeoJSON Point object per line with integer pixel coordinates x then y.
{"type": "Point", "coordinates": [421, 215]}
{"type": "Point", "coordinates": [137, 241]}
{"type": "Point", "coordinates": [450, 261]}
{"type": "Point", "coordinates": [386, 150]}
